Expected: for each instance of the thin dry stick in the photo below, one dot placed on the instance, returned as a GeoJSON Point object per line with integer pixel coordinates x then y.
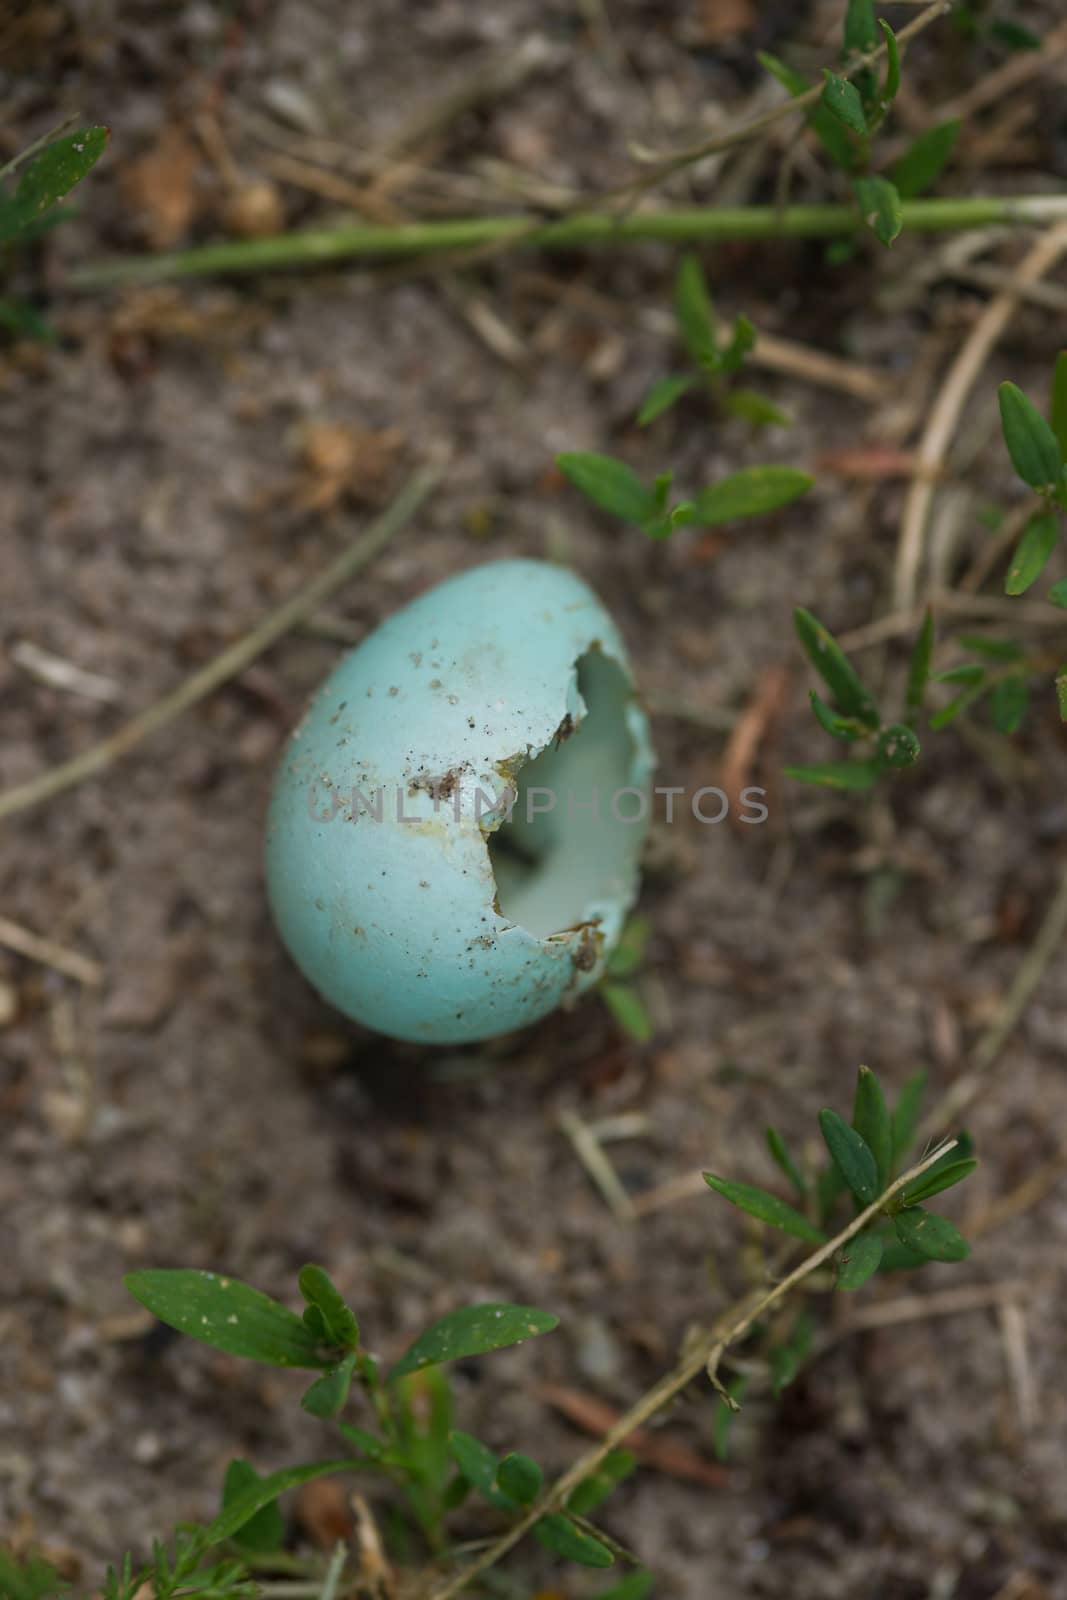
{"type": "Point", "coordinates": [35, 948]}
{"type": "Point", "coordinates": [588, 1149]}
{"type": "Point", "coordinates": [815, 366]}
{"type": "Point", "coordinates": [234, 659]}
{"type": "Point", "coordinates": [943, 419]}
{"type": "Point", "coordinates": [666, 166]}
{"type": "Point", "coordinates": [950, 601]}
{"type": "Point", "coordinates": [1014, 74]}
{"type": "Point", "coordinates": [1029, 974]}
{"type": "Point", "coordinates": [705, 1356]}
{"type": "Point", "coordinates": [922, 1307]}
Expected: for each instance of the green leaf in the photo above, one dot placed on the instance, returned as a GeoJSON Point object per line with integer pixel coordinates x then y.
{"type": "Point", "coordinates": [851, 1156]}
{"type": "Point", "coordinates": [328, 1395]}
{"type": "Point", "coordinates": [1008, 703]}
{"type": "Point", "coordinates": [906, 1114]}
{"type": "Point", "coordinates": [949, 713]}
{"type": "Point", "coordinates": [520, 1478]}
{"type": "Point", "coordinates": [365, 1442]}
{"type": "Point", "coordinates": [780, 1153]}
{"type": "Point", "coordinates": [767, 1207]}
{"type": "Point", "coordinates": [930, 1235]}
{"type": "Point", "coordinates": [751, 492]}
{"type": "Point", "coordinates": [892, 62]}
{"type": "Point", "coordinates": [834, 667]}
{"type": "Point", "coordinates": [843, 99]}
{"type": "Point", "coordinates": [263, 1492]}
{"type": "Point", "coordinates": [24, 322]}
{"type": "Point", "coordinates": [861, 33]}
{"type": "Point", "coordinates": [479, 1466]}
{"type": "Point", "coordinates": [264, 1533]}
{"type": "Point", "coordinates": [897, 746]}
{"type": "Point", "coordinates": [871, 1120]}
{"type": "Point", "coordinates": [880, 207]}
{"type": "Point", "coordinates": [787, 1360]}
{"type": "Point", "coordinates": [849, 728]}
{"type": "Point", "coordinates": [967, 672]}
{"type": "Point", "coordinates": [1013, 34]}
{"type": "Point", "coordinates": [609, 484]}
{"type": "Point", "coordinates": [337, 1317]}
{"type": "Point", "coordinates": [827, 129]}
{"type": "Point", "coordinates": [636, 1586]}
{"type": "Point", "coordinates": [1032, 552]}
{"type": "Point", "coordinates": [924, 160]}
{"type": "Point", "coordinates": [1058, 594]}
{"type": "Point", "coordinates": [628, 1009]}
{"type": "Point", "coordinates": [919, 668]}
{"type": "Point", "coordinates": [1032, 445]}
{"type": "Point", "coordinates": [694, 311]}
{"type": "Point", "coordinates": [723, 1419]}
{"type": "Point", "coordinates": [629, 953]}
{"type": "Point", "coordinates": [30, 1578]}
{"type": "Point", "coordinates": [52, 175]}
{"type": "Point", "coordinates": [995, 649]}
{"type": "Point", "coordinates": [1058, 409]}
{"type": "Point", "coordinates": [753, 407]}
{"type": "Point", "coordinates": [228, 1315]}
{"type": "Point", "coordinates": [664, 393]}
{"type": "Point", "coordinates": [853, 775]}
{"type": "Point", "coordinates": [601, 1482]}
{"type": "Point", "coordinates": [938, 1178]}
{"type": "Point", "coordinates": [859, 1260]}
{"type": "Point", "coordinates": [564, 1538]}
{"type": "Point", "coordinates": [473, 1331]}
{"type": "Point", "coordinates": [742, 341]}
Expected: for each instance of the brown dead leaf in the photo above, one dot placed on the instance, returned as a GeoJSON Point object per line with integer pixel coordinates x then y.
{"type": "Point", "coordinates": [724, 19]}
{"type": "Point", "coordinates": [322, 1510]}
{"type": "Point", "coordinates": [376, 1577]}
{"type": "Point", "coordinates": [871, 465]}
{"type": "Point", "coordinates": [339, 462]}
{"type": "Point", "coordinates": [666, 1455]}
{"type": "Point", "coordinates": [161, 188]}
{"type": "Point", "coordinates": [755, 725]}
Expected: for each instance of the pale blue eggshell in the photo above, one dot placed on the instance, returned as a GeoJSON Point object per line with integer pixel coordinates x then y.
{"type": "Point", "coordinates": [407, 923]}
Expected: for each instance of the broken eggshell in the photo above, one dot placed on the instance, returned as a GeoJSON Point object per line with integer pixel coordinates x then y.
{"type": "Point", "coordinates": [455, 826]}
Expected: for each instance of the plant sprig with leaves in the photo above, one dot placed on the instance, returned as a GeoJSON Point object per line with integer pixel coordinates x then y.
{"type": "Point", "coordinates": [614, 487]}
{"type": "Point", "coordinates": [713, 359]}
{"type": "Point", "coordinates": [32, 208]}
{"type": "Point", "coordinates": [851, 109]}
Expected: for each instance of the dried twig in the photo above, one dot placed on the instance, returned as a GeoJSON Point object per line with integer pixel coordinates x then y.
{"type": "Point", "coordinates": [1027, 977]}
{"type": "Point", "coordinates": [704, 1356]}
{"type": "Point", "coordinates": [234, 659]}
{"type": "Point", "coordinates": [587, 1148]}
{"type": "Point", "coordinates": [945, 415]}
{"type": "Point", "coordinates": [49, 954]}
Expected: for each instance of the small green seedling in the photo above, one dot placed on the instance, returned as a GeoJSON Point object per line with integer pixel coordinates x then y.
{"type": "Point", "coordinates": [32, 208]}
{"type": "Point", "coordinates": [615, 488]}
{"type": "Point", "coordinates": [851, 109]}
{"type": "Point", "coordinates": [618, 988]}
{"type": "Point", "coordinates": [712, 360]}
{"type": "Point", "coordinates": [864, 1157]}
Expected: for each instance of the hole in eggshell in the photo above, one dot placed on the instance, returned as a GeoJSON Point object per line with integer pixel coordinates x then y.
{"type": "Point", "coordinates": [557, 866]}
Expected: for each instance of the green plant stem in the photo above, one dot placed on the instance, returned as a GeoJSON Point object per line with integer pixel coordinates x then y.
{"type": "Point", "coordinates": [362, 242]}
{"type": "Point", "coordinates": [704, 1356]}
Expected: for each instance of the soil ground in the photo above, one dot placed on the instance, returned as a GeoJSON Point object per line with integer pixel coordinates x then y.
{"type": "Point", "coordinates": [162, 483]}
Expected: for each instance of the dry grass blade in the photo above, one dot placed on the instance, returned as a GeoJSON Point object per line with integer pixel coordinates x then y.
{"type": "Point", "coordinates": [231, 661]}
{"type": "Point", "coordinates": [948, 407]}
